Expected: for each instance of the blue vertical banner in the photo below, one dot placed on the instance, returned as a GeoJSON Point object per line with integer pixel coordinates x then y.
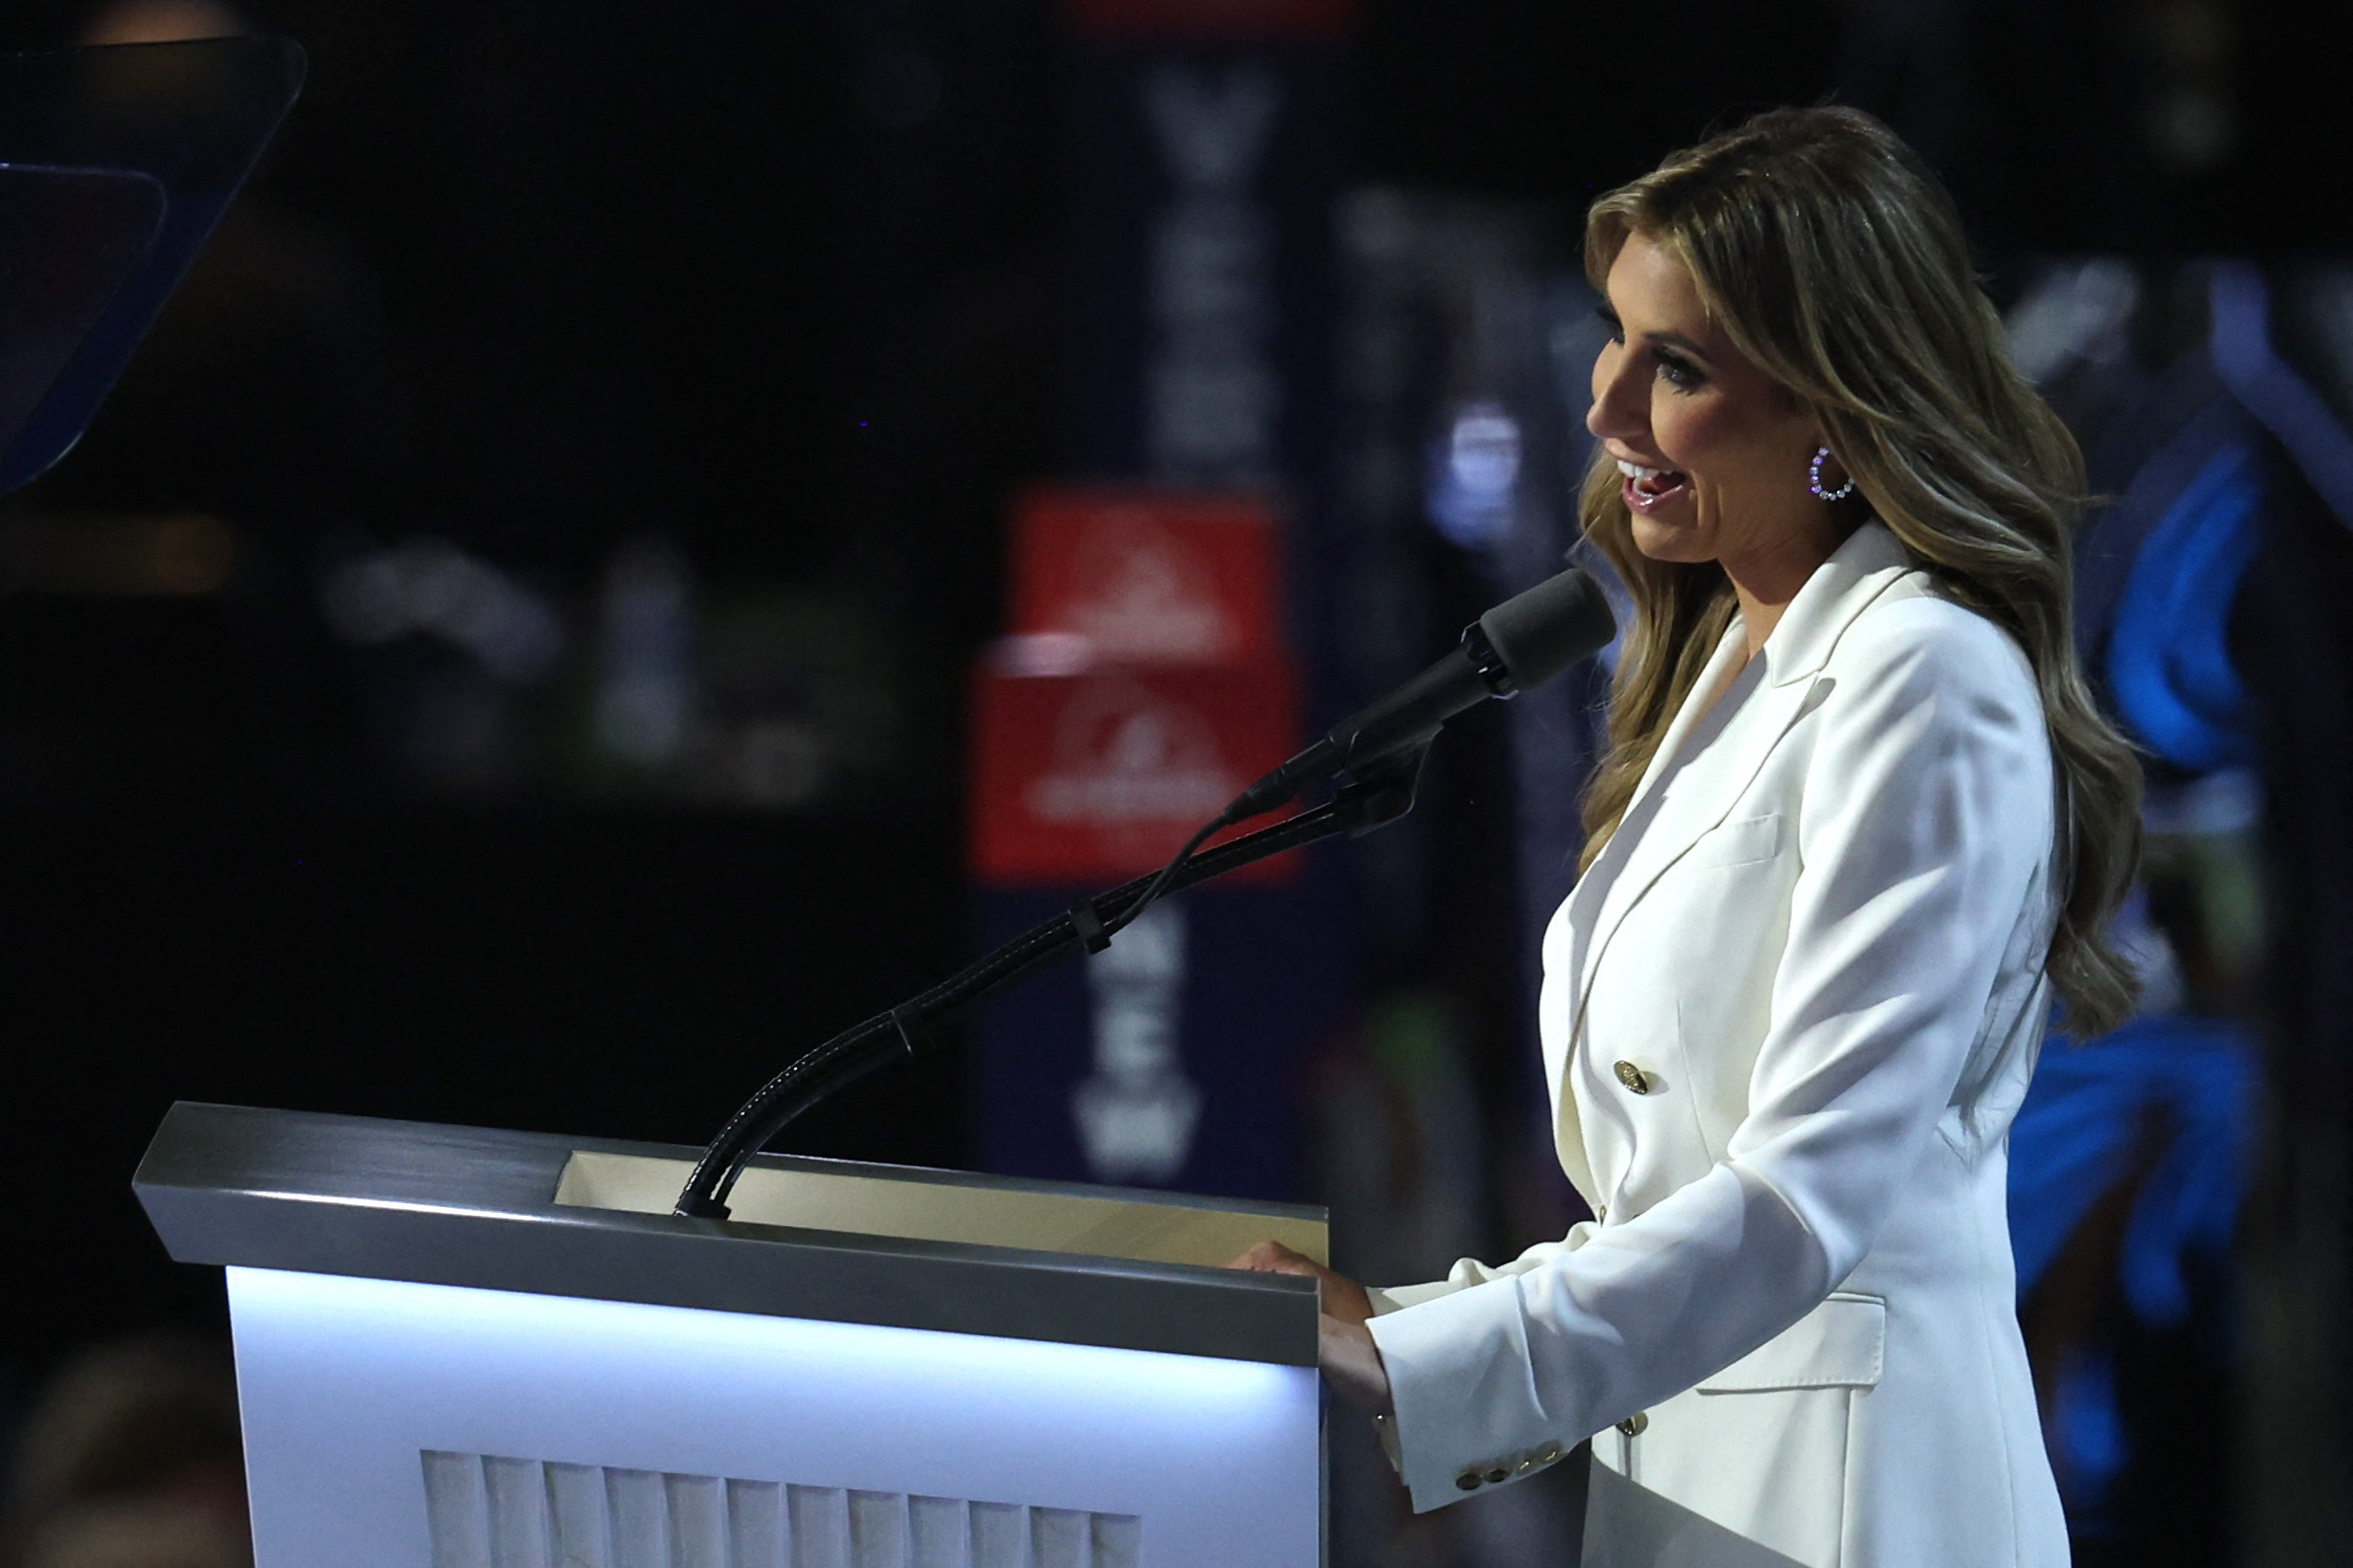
{"type": "Point", "coordinates": [1204, 142]}
{"type": "Point", "coordinates": [1175, 1058]}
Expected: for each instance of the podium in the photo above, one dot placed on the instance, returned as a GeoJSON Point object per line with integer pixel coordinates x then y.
{"type": "Point", "coordinates": [463, 1348]}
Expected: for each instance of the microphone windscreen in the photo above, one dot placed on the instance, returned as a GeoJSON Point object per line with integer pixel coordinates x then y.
{"type": "Point", "coordinates": [1549, 628]}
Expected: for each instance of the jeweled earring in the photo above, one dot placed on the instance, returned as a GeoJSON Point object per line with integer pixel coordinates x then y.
{"type": "Point", "coordinates": [1814, 479]}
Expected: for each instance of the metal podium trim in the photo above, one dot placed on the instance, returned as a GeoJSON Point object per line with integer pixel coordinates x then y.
{"type": "Point", "coordinates": [326, 1194]}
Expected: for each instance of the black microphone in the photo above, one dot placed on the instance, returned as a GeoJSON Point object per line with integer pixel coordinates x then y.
{"type": "Point", "coordinates": [1522, 642]}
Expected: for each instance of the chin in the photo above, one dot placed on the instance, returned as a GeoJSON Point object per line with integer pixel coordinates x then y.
{"type": "Point", "coordinates": [1668, 539]}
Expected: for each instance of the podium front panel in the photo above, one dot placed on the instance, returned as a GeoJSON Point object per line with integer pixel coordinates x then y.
{"type": "Point", "coordinates": [403, 1424]}
{"type": "Point", "coordinates": [443, 1362]}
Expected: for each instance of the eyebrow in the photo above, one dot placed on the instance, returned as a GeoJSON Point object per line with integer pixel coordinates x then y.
{"type": "Point", "coordinates": [1609, 312]}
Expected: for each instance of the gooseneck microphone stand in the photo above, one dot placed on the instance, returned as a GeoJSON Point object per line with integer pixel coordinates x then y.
{"type": "Point", "coordinates": [1377, 754]}
{"type": "Point", "coordinates": [1377, 794]}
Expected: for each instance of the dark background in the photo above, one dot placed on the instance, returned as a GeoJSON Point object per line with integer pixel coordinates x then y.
{"type": "Point", "coordinates": [779, 285]}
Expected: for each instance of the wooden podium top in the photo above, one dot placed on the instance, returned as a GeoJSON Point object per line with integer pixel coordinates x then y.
{"type": "Point", "coordinates": [823, 1239]}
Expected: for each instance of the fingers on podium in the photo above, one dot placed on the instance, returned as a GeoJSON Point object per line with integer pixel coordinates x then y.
{"type": "Point", "coordinates": [1273, 1257]}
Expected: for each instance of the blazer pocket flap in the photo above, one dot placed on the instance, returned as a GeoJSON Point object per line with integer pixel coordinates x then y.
{"type": "Point", "coordinates": [1837, 1345]}
{"type": "Point", "coordinates": [1736, 843]}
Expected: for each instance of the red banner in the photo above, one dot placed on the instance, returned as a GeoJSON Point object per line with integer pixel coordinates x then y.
{"type": "Point", "coordinates": [1100, 772]}
{"type": "Point", "coordinates": [1146, 575]}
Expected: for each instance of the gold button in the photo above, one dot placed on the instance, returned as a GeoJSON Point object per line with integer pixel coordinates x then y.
{"type": "Point", "coordinates": [1497, 1474]}
{"type": "Point", "coordinates": [1551, 1454]}
{"type": "Point", "coordinates": [1468, 1481]}
{"type": "Point", "coordinates": [1527, 1463]}
{"type": "Point", "coordinates": [1632, 1077]}
{"type": "Point", "coordinates": [1633, 1425]}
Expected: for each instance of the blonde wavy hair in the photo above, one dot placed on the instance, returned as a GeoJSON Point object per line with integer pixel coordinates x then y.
{"type": "Point", "coordinates": [1832, 259]}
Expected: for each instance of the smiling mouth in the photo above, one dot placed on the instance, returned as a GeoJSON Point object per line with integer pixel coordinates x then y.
{"type": "Point", "coordinates": [1645, 488]}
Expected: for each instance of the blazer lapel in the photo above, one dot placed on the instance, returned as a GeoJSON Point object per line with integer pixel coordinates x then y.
{"type": "Point", "coordinates": [1704, 764]}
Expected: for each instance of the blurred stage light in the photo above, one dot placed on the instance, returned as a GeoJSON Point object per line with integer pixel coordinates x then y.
{"type": "Point", "coordinates": [172, 557]}
{"type": "Point", "coordinates": [429, 585]}
{"type": "Point", "coordinates": [1470, 496]}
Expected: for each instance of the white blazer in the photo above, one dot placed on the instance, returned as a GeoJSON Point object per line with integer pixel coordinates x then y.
{"type": "Point", "coordinates": [1787, 1017]}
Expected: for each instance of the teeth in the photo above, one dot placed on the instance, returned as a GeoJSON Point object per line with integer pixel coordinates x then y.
{"type": "Point", "coordinates": [1635, 471]}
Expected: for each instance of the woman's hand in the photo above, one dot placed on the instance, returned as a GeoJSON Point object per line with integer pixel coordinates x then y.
{"type": "Point", "coordinates": [1350, 1360]}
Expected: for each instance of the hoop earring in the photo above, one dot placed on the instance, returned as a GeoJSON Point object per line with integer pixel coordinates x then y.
{"type": "Point", "coordinates": [1814, 479]}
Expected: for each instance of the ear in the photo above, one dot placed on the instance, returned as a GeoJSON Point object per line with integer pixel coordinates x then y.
{"type": "Point", "coordinates": [1815, 437]}
{"type": "Point", "coordinates": [1802, 412]}
{"type": "Point", "coordinates": [1817, 434]}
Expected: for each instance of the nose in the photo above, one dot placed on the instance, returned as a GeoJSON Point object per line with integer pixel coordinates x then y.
{"type": "Point", "coordinates": [1620, 407]}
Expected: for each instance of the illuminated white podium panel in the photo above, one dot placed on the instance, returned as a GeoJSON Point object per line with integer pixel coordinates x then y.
{"type": "Point", "coordinates": [459, 1348]}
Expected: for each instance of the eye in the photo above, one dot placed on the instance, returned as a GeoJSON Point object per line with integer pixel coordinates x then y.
{"type": "Point", "coordinates": [1617, 329]}
{"type": "Point", "coordinates": [1676, 370]}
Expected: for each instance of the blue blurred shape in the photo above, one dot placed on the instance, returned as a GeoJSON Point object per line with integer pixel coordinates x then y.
{"type": "Point", "coordinates": [2169, 659]}
{"type": "Point", "coordinates": [2188, 1083]}
{"type": "Point", "coordinates": [2241, 349]}
{"type": "Point", "coordinates": [2093, 1446]}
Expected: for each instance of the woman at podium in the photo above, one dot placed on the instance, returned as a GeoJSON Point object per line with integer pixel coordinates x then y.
{"type": "Point", "coordinates": [1858, 827]}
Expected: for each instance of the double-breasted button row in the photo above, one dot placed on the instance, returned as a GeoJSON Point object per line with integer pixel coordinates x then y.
{"type": "Point", "coordinates": [1471, 1480]}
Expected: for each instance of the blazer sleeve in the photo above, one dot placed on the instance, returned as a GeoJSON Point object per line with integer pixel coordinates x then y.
{"type": "Point", "coordinates": [1469, 1271]}
{"type": "Point", "coordinates": [1926, 814]}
